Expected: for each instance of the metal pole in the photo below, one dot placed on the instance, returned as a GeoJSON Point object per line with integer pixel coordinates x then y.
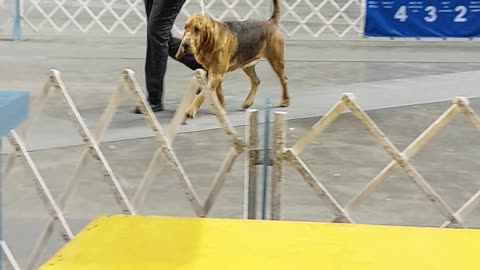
{"type": "Point", "coordinates": [1, 208]}
{"type": "Point", "coordinates": [266, 156]}
{"type": "Point", "coordinates": [251, 166]}
{"type": "Point", "coordinates": [279, 144]}
{"type": "Point", "coordinates": [17, 21]}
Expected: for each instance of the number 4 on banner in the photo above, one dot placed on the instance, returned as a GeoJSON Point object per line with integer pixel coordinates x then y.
{"type": "Point", "coordinates": [401, 14]}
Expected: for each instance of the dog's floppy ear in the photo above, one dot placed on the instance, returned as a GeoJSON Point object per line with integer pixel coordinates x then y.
{"type": "Point", "coordinates": [208, 37]}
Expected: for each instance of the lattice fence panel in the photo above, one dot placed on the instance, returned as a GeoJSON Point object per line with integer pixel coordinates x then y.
{"type": "Point", "coordinates": [6, 15]}
{"type": "Point", "coordinates": [121, 17]}
{"type": "Point", "coordinates": [92, 152]}
{"type": "Point", "coordinates": [314, 19]}
{"type": "Point", "coordinates": [301, 19]}
{"type": "Point", "coordinates": [400, 161]}
{"type": "Point", "coordinates": [93, 17]}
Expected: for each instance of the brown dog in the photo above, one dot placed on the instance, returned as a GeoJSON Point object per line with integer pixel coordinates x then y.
{"type": "Point", "coordinates": [222, 47]}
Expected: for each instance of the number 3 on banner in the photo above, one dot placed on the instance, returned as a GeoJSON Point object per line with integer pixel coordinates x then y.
{"type": "Point", "coordinates": [401, 14]}
{"type": "Point", "coordinates": [432, 14]}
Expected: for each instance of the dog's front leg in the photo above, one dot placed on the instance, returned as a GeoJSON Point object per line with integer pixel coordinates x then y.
{"type": "Point", "coordinates": [220, 96]}
{"type": "Point", "coordinates": [214, 84]}
{"type": "Point", "coordinates": [196, 104]}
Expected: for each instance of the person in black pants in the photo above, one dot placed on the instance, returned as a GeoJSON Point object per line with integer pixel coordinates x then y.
{"type": "Point", "coordinates": [161, 15]}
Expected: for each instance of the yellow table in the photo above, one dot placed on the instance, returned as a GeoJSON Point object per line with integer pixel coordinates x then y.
{"type": "Point", "coordinates": [144, 243]}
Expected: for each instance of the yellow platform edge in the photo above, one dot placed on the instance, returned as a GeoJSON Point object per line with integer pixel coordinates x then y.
{"type": "Point", "coordinates": [158, 242]}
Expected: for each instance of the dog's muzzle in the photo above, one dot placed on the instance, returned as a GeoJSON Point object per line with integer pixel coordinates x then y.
{"type": "Point", "coordinates": [182, 50]}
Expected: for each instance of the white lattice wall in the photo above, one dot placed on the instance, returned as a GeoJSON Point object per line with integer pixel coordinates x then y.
{"type": "Point", "coordinates": [301, 19]}
{"type": "Point", "coordinates": [6, 15]}
{"type": "Point", "coordinates": [315, 19]}
{"type": "Point", "coordinates": [120, 17]}
{"type": "Point", "coordinates": [93, 17]}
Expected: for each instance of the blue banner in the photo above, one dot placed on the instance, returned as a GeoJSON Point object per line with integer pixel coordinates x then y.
{"type": "Point", "coordinates": [423, 18]}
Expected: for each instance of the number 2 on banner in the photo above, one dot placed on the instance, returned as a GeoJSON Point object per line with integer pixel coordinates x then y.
{"type": "Point", "coordinates": [462, 11]}
{"type": "Point", "coordinates": [401, 14]}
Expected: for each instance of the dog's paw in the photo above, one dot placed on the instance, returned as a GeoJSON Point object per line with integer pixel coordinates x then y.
{"type": "Point", "coordinates": [190, 113]}
{"type": "Point", "coordinates": [285, 103]}
{"type": "Point", "coordinates": [247, 105]}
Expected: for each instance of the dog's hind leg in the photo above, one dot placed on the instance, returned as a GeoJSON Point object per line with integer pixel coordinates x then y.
{"type": "Point", "coordinates": [255, 81]}
{"type": "Point", "coordinates": [275, 55]}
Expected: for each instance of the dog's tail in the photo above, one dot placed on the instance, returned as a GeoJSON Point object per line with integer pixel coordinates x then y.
{"type": "Point", "coordinates": [276, 12]}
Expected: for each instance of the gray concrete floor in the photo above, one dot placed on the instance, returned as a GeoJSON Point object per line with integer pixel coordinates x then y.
{"type": "Point", "coordinates": [404, 86]}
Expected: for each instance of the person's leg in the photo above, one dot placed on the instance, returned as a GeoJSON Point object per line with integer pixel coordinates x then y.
{"type": "Point", "coordinates": [161, 15]}
{"type": "Point", "coordinates": [148, 7]}
{"type": "Point", "coordinates": [149, 59]}
{"type": "Point", "coordinates": [159, 25]}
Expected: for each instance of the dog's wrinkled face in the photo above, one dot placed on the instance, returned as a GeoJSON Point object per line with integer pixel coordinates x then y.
{"type": "Point", "coordinates": [196, 34]}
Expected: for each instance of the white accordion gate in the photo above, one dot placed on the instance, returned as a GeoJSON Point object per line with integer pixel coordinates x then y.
{"type": "Point", "coordinates": [300, 19]}
{"type": "Point", "coordinates": [248, 145]}
{"type": "Point", "coordinates": [57, 222]}
{"type": "Point", "coordinates": [283, 155]}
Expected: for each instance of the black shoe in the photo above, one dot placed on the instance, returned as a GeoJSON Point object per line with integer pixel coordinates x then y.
{"type": "Point", "coordinates": [155, 108]}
